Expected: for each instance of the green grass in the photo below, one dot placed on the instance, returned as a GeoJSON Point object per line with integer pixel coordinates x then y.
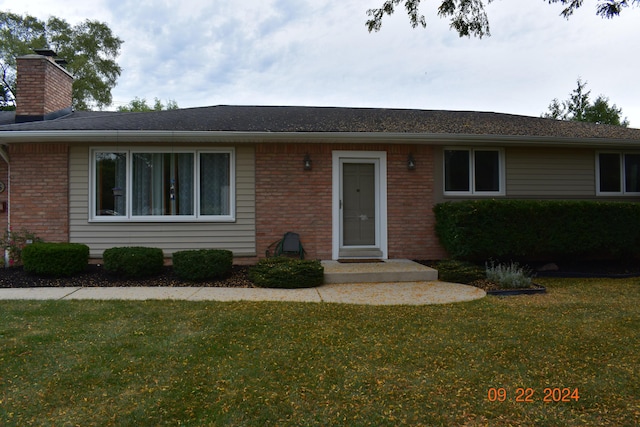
{"type": "Point", "coordinates": [212, 363]}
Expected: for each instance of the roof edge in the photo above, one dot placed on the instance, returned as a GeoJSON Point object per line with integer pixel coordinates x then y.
{"type": "Point", "coordinates": [142, 136]}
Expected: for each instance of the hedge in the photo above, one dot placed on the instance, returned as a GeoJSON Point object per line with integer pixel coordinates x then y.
{"type": "Point", "coordinates": [55, 259]}
{"type": "Point", "coordinates": [204, 264]}
{"type": "Point", "coordinates": [535, 229]}
{"type": "Point", "coordinates": [287, 273]}
{"type": "Point", "coordinates": [133, 261]}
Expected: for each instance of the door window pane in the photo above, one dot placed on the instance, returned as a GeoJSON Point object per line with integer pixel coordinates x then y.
{"type": "Point", "coordinates": [359, 204]}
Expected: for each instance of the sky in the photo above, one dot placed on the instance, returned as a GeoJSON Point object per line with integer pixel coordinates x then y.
{"type": "Point", "coordinates": [319, 53]}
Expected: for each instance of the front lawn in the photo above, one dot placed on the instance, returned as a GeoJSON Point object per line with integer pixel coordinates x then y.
{"type": "Point", "coordinates": [212, 363]}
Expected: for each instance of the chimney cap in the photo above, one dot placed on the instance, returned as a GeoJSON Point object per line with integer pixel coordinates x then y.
{"type": "Point", "coordinates": [45, 52]}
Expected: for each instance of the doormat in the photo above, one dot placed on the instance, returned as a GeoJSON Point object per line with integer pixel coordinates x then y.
{"type": "Point", "coordinates": [359, 261]}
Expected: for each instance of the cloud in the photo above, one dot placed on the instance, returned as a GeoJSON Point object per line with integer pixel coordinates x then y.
{"type": "Point", "coordinates": [318, 52]}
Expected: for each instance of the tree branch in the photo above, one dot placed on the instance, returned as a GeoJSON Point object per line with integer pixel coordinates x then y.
{"type": "Point", "coordinates": [468, 17]}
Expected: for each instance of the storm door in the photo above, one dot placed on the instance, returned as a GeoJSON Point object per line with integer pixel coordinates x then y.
{"type": "Point", "coordinates": [358, 204]}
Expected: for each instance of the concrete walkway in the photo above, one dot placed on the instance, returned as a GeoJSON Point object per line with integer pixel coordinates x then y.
{"type": "Point", "coordinates": [398, 293]}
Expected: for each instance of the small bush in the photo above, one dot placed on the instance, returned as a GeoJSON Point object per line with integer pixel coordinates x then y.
{"type": "Point", "coordinates": [511, 276]}
{"type": "Point", "coordinates": [55, 259]}
{"type": "Point", "coordinates": [205, 264]}
{"type": "Point", "coordinates": [287, 273]}
{"type": "Point", "coordinates": [459, 271]}
{"type": "Point", "coordinates": [133, 262]}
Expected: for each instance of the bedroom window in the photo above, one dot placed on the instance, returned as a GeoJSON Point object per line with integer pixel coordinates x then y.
{"type": "Point", "coordinates": [618, 174]}
{"type": "Point", "coordinates": [147, 185]}
{"type": "Point", "coordinates": [473, 172]}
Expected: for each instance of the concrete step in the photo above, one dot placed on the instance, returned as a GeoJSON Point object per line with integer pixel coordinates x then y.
{"type": "Point", "coordinates": [395, 270]}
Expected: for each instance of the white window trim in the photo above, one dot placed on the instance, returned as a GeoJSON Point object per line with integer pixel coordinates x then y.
{"type": "Point", "coordinates": [129, 217]}
{"type": "Point", "coordinates": [623, 181]}
{"type": "Point", "coordinates": [472, 192]}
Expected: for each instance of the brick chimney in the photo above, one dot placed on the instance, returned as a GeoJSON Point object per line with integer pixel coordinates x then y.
{"type": "Point", "coordinates": [43, 89]}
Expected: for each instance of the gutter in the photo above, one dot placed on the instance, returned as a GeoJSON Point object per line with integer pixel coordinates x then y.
{"type": "Point", "coordinates": [144, 136]}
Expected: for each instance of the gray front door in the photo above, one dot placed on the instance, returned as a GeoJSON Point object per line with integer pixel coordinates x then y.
{"type": "Point", "coordinates": [359, 204]}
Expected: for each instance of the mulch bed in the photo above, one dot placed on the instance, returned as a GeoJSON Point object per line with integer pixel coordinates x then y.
{"type": "Point", "coordinates": [592, 268]}
{"type": "Point", "coordinates": [96, 276]}
{"type": "Point", "coordinates": [614, 269]}
{"type": "Point", "coordinates": [490, 286]}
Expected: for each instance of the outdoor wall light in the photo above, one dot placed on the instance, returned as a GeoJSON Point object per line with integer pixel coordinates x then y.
{"type": "Point", "coordinates": [411, 162]}
{"type": "Point", "coordinates": [307, 162]}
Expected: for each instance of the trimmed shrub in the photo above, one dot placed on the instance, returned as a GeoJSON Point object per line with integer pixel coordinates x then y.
{"type": "Point", "coordinates": [204, 264]}
{"type": "Point", "coordinates": [287, 273]}
{"type": "Point", "coordinates": [538, 229]}
{"type": "Point", "coordinates": [55, 259]}
{"type": "Point", "coordinates": [459, 271]}
{"type": "Point", "coordinates": [134, 261]}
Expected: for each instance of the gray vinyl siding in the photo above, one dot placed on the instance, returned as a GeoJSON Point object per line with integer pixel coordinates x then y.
{"type": "Point", "coordinates": [238, 236]}
{"type": "Point", "coordinates": [537, 173]}
{"type": "Point", "coordinates": [550, 173]}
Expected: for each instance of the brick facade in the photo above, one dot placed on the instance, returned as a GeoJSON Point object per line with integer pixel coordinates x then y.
{"type": "Point", "coordinates": [289, 198]}
{"type": "Point", "coordinates": [4, 196]}
{"type": "Point", "coordinates": [39, 189]}
{"type": "Point", "coordinates": [410, 201]}
{"type": "Point", "coordinates": [43, 87]}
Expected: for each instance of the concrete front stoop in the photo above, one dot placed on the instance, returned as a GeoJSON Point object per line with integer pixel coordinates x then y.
{"type": "Point", "coordinates": [387, 271]}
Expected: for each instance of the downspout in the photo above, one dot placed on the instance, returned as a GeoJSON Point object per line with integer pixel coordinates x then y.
{"type": "Point", "coordinates": [5, 157]}
{"type": "Point", "coordinates": [4, 154]}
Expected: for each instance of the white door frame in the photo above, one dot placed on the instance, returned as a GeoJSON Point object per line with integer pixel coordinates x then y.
{"type": "Point", "coordinates": [380, 160]}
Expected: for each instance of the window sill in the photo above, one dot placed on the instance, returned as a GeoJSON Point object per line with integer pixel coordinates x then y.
{"type": "Point", "coordinates": [462, 194]}
{"type": "Point", "coordinates": [124, 220]}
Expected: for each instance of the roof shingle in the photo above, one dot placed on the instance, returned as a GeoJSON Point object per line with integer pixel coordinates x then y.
{"type": "Point", "coordinates": [328, 119]}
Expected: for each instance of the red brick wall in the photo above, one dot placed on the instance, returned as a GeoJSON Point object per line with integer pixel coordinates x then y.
{"type": "Point", "coordinates": [39, 189]}
{"type": "Point", "coordinates": [291, 199]}
{"type": "Point", "coordinates": [43, 87]}
{"type": "Point", "coordinates": [410, 202]}
{"type": "Point", "coordinates": [4, 196]}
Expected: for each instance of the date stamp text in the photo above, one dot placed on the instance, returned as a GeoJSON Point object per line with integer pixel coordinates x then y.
{"type": "Point", "coordinates": [529, 395]}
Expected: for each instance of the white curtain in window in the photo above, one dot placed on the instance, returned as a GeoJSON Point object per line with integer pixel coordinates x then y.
{"type": "Point", "coordinates": [215, 196]}
{"type": "Point", "coordinates": [120, 202]}
{"type": "Point", "coordinates": [184, 184]}
{"type": "Point", "coordinates": [154, 175]}
{"type": "Point", "coordinates": [142, 187]}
